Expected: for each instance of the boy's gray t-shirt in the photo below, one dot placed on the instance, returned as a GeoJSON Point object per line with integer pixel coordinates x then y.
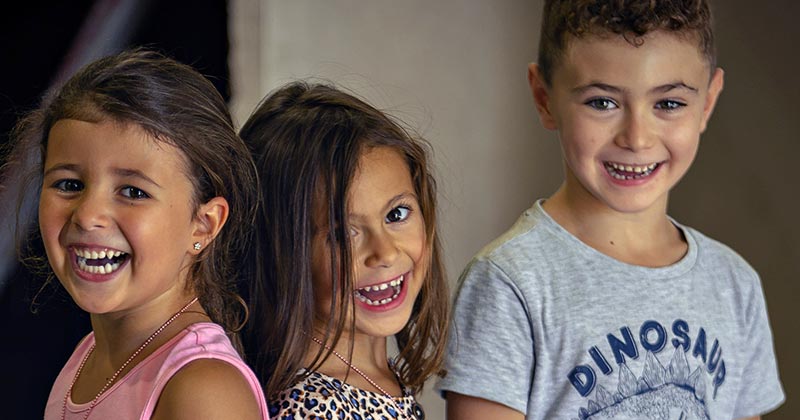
{"type": "Point", "coordinates": [551, 327]}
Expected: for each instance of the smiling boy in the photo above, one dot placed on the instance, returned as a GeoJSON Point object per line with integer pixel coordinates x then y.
{"type": "Point", "coordinates": [596, 304]}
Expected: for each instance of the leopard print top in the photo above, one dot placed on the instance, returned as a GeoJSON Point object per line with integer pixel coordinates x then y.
{"type": "Point", "coordinates": [321, 397]}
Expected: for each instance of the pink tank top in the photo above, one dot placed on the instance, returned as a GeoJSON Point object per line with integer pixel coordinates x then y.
{"type": "Point", "coordinates": [135, 395]}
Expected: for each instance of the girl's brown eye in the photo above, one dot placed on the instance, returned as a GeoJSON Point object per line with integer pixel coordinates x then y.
{"type": "Point", "coordinates": [398, 214]}
{"type": "Point", "coordinates": [134, 193]}
{"type": "Point", "coordinates": [68, 185]}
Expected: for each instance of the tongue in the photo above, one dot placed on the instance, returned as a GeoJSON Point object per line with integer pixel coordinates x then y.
{"type": "Point", "coordinates": [100, 261]}
{"type": "Point", "coordinates": [377, 295]}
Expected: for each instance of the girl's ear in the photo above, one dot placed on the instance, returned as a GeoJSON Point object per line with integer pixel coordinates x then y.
{"type": "Point", "coordinates": [208, 221]}
{"type": "Point", "coordinates": [541, 96]}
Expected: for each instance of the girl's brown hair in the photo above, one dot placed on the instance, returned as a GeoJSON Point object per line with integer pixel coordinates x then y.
{"type": "Point", "coordinates": [175, 104]}
{"type": "Point", "coordinates": [562, 19]}
{"type": "Point", "coordinates": [306, 140]}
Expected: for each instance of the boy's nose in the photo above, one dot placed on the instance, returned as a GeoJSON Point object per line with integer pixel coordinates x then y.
{"type": "Point", "coordinates": [90, 211]}
{"type": "Point", "coordinates": [381, 250]}
{"type": "Point", "coordinates": [635, 133]}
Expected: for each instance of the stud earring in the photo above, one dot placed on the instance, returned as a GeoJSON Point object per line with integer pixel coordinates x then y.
{"type": "Point", "coordinates": [197, 246]}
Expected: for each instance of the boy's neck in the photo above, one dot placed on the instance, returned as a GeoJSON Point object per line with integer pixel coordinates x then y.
{"type": "Point", "coordinates": [646, 239]}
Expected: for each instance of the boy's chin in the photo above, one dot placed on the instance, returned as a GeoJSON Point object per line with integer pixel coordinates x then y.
{"type": "Point", "coordinates": [638, 205]}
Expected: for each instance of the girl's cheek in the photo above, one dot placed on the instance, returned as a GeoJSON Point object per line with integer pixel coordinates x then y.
{"type": "Point", "coordinates": [424, 248]}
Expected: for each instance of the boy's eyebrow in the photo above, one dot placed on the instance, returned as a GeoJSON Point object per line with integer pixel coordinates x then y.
{"type": "Point", "coordinates": [674, 85]}
{"type": "Point", "coordinates": [614, 89]}
{"type": "Point", "coordinates": [596, 85]}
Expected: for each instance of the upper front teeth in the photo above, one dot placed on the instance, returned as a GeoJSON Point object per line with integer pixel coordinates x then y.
{"type": "Point", "coordinates": [383, 286]}
{"type": "Point", "coordinates": [376, 287]}
{"type": "Point", "coordinates": [633, 168]}
{"type": "Point", "coordinates": [93, 255]}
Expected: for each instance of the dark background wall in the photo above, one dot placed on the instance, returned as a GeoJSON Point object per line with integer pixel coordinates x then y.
{"type": "Point", "coordinates": [744, 188]}
{"type": "Point", "coordinates": [40, 42]}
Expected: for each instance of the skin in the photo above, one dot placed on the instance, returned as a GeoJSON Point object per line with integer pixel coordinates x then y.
{"type": "Point", "coordinates": [109, 186]}
{"type": "Point", "coordinates": [612, 102]}
{"type": "Point", "coordinates": [388, 240]}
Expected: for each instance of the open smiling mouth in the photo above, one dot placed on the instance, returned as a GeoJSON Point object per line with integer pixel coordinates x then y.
{"type": "Point", "coordinates": [382, 293]}
{"type": "Point", "coordinates": [626, 172]}
{"type": "Point", "coordinates": [99, 262]}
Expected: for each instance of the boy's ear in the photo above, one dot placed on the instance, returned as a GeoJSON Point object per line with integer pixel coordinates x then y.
{"type": "Point", "coordinates": [714, 89]}
{"type": "Point", "coordinates": [209, 219]}
{"type": "Point", "coordinates": [541, 96]}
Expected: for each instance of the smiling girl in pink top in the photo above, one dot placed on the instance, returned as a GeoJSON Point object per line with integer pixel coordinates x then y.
{"type": "Point", "coordinates": [139, 217]}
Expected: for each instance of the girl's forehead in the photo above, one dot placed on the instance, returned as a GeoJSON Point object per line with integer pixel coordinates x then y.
{"type": "Point", "coordinates": [379, 171]}
{"type": "Point", "coordinates": [111, 144]}
{"type": "Point", "coordinates": [382, 179]}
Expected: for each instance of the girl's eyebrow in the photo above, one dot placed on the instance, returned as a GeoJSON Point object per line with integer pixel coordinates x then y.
{"type": "Point", "coordinates": [61, 167]}
{"type": "Point", "coordinates": [135, 173]}
{"type": "Point", "coordinates": [402, 195]}
{"type": "Point", "coordinates": [122, 172]}
{"type": "Point", "coordinates": [390, 203]}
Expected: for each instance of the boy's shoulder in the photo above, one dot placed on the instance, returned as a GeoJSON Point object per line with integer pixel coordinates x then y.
{"type": "Point", "coordinates": [719, 264]}
{"type": "Point", "coordinates": [713, 254]}
{"type": "Point", "coordinates": [536, 238]}
{"type": "Point", "coordinates": [530, 235]}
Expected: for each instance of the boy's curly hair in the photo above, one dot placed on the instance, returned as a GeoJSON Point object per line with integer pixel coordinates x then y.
{"type": "Point", "coordinates": [562, 19]}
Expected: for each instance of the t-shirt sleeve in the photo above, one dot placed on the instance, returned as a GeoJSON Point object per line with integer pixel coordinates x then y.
{"type": "Point", "coordinates": [490, 347]}
{"type": "Point", "coordinates": [761, 389]}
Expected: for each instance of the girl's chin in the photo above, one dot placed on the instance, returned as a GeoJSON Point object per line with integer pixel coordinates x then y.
{"type": "Point", "coordinates": [380, 331]}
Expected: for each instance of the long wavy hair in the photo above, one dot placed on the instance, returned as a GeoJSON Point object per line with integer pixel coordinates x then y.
{"type": "Point", "coordinates": [306, 140]}
{"type": "Point", "coordinates": [174, 104]}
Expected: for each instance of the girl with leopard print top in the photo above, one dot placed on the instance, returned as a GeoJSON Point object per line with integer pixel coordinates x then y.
{"type": "Point", "coordinates": [346, 257]}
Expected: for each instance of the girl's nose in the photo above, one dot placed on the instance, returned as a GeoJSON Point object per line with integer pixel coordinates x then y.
{"type": "Point", "coordinates": [381, 250]}
{"type": "Point", "coordinates": [91, 211]}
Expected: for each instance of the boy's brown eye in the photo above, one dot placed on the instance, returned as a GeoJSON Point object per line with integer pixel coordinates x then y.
{"type": "Point", "coordinates": [601, 104]}
{"type": "Point", "coordinates": [669, 105]}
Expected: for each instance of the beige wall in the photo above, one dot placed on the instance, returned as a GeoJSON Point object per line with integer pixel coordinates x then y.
{"type": "Point", "coordinates": [455, 70]}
